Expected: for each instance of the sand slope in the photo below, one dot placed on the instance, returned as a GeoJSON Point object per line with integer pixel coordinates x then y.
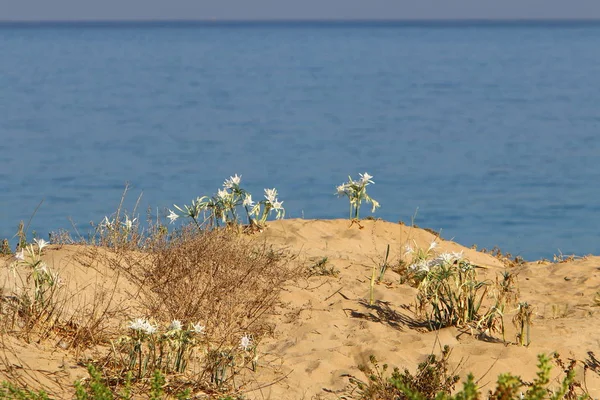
{"type": "Point", "coordinates": [324, 326]}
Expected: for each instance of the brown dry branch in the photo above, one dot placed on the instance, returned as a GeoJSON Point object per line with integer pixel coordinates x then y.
{"type": "Point", "coordinates": [507, 259]}
{"type": "Point", "coordinates": [226, 281]}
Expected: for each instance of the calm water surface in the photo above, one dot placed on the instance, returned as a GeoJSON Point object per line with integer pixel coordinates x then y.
{"type": "Point", "coordinates": [490, 130]}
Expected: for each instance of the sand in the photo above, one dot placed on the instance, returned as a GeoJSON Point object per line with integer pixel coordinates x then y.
{"type": "Point", "coordinates": [325, 328]}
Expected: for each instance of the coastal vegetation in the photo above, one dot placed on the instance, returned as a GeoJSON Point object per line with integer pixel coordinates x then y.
{"type": "Point", "coordinates": [189, 306]}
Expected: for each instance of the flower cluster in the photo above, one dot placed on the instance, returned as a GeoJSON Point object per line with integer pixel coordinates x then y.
{"type": "Point", "coordinates": [43, 278]}
{"type": "Point", "coordinates": [223, 207]}
{"type": "Point", "coordinates": [144, 326]}
{"type": "Point", "coordinates": [112, 224]}
{"type": "Point", "coordinates": [119, 230]}
{"type": "Point", "coordinates": [424, 264]}
{"type": "Point", "coordinates": [169, 349]}
{"type": "Point", "coordinates": [356, 191]}
{"type": "Point", "coordinates": [151, 348]}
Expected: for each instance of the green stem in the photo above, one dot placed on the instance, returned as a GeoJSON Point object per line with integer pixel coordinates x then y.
{"type": "Point", "coordinates": [196, 222]}
{"type": "Point", "coordinates": [248, 215]}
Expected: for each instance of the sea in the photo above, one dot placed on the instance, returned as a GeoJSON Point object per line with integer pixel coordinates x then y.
{"type": "Point", "coordinates": [488, 131]}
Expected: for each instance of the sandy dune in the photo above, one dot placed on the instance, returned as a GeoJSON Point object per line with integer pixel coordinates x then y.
{"type": "Point", "coordinates": [323, 335]}
{"type": "Point", "coordinates": [325, 327]}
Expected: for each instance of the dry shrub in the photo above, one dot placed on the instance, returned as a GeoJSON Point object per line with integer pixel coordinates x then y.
{"type": "Point", "coordinates": [224, 280]}
{"type": "Point", "coordinates": [505, 258]}
{"type": "Point", "coordinates": [76, 313]}
{"type": "Point", "coordinates": [90, 320]}
{"type": "Point", "coordinates": [27, 310]}
{"type": "Point", "coordinates": [220, 279]}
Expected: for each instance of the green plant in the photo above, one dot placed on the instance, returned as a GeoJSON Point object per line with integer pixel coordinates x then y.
{"type": "Point", "coordinates": [220, 364]}
{"type": "Point", "coordinates": [36, 307]}
{"type": "Point", "coordinates": [9, 391]}
{"type": "Point", "coordinates": [384, 265]}
{"type": "Point", "coordinates": [224, 206]}
{"type": "Point", "coordinates": [421, 260]}
{"type": "Point", "coordinates": [147, 349]}
{"type": "Point", "coordinates": [433, 377]}
{"type": "Point", "coordinates": [510, 386]}
{"type": "Point", "coordinates": [223, 364]}
{"type": "Point", "coordinates": [505, 292]}
{"type": "Point", "coordinates": [185, 395]}
{"type": "Point", "coordinates": [44, 280]}
{"type": "Point", "coordinates": [356, 191]}
{"type": "Point", "coordinates": [433, 381]}
{"type": "Point", "coordinates": [156, 386]}
{"type": "Point", "coordinates": [96, 387]}
{"type": "Point", "coordinates": [450, 293]}
{"type": "Point", "coordinates": [372, 287]}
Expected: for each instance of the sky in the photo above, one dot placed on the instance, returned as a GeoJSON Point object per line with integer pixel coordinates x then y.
{"type": "Point", "coordinates": [15, 10]}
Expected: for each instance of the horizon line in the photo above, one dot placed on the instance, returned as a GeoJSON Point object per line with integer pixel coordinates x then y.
{"type": "Point", "coordinates": [295, 20]}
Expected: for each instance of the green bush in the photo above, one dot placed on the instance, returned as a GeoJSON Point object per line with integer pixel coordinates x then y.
{"type": "Point", "coordinates": [434, 381]}
{"type": "Point", "coordinates": [96, 389]}
{"type": "Point", "coordinates": [10, 391]}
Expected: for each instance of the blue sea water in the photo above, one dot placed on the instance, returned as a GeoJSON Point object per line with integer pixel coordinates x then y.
{"type": "Point", "coordinates": [490, 130]}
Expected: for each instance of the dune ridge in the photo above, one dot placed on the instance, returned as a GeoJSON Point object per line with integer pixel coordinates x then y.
{"type": "Point", "coordinates": [324, 327]}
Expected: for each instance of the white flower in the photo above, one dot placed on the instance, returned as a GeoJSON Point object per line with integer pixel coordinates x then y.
{"type": "Point", "coordinates": [41, 243]}
{"type": "Point", "coordinates": [248, 201]}
{"type": "Point", "coordinates": [420, 266]}
{"type": "Point", "coordinates": [232, 182]}
{"type": "Point", "coordinates": [448, 258]}
{"type": "Point", "coordinates": [408, 249]}
{"type": "Point", "coordinates": [445, 258]}
{"type": "Point", "coordinates": [106, 223]}
{"type": "Point", "coordinates": [342, 189]}
{"type": "Point", "coordinates": [246, 342]}
{"type": "Point", "coordinates": [142, 325]}
{"type": "Point", "coordinates": [366, 178]}
{"type": "Point", "coordinates": [42, 267]}
{"type": "Point", "coordinates": [175, 325]}
{"type": "Point", "coordinates": [149, 329]}
{"type": "Point", "coordinates": [223, 194]}
{"type": "Point", "coordinates": [375, 205]}
{"type": "Point", "coordinates": [129, 222]}
{"type": "Point", "coordinates": [277, 205]}
{"type": "Point", "coordinates": [432, 246]}
{"type": "Point", "coordinates": [172, 216]}
{"type": "Point", "coordinates": [271, 195]}
{"type": "Point", "coordinates": [138, 324]}
{"type": "Point", "coordinates": [20, 256]}
{"type": "Point", "coordinates": [199, 329]}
